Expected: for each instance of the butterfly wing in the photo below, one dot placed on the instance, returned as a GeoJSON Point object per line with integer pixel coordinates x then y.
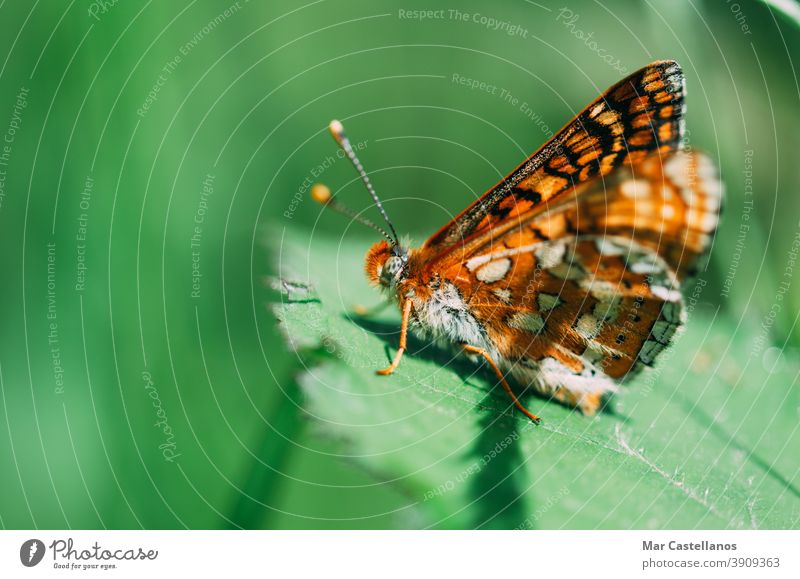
{"type": "Point", "coordinates": [670, 205]}
{"type": "Point", "coordinates": [638, 115]}
{"type": "Point", "coordinates": [578, 298]}
{"type": "Point", "coordinates": [575, 316]}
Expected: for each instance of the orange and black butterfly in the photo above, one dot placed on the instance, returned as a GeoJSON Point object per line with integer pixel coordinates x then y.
{"type": "Point", "coordinates": [566, 275]}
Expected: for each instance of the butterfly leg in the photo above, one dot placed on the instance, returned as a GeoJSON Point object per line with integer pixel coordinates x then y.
{"type": "Point", "coordinates": [403, 333]}
{"type": "Point", "coordinates": [483, 353]}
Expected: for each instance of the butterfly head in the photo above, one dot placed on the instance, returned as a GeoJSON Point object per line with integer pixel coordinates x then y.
{"type": "Point", "coordinates": [386, 264]}
{"type": "Point", "coordinates": [386, 260]}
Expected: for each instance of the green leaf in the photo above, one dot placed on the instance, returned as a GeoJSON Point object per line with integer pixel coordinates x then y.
{"type": "Point", "coordinates": [707, 439]}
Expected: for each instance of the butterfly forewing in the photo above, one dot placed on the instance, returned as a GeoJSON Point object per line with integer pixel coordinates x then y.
{"type": "Point", "coordinates": [639, 115]}
{"type": "Point", "coordinates": [668, 204]}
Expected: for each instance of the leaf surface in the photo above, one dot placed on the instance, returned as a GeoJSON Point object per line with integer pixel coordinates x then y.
{"type": "Point", "coordinates": [707, 439]}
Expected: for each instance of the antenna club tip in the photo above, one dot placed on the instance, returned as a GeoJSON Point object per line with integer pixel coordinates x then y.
{"type": "Point", "coordinates": [337, 130]}
{"type": "Point", "coordinates": [321, 194]}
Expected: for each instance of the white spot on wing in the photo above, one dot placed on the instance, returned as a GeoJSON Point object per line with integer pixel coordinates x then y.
{"type": "Point", "coordinates": [713, 198]}
{"type": "Point", "coordinates": [709, 222]}
{"type": "Point", "coordinates": [555, 375]}
{"type": "Point", "coordinates": [600, 289]}
{"type": "Point", "coordinates": [666, 294]}
{"type": "Point", "coordinates": [494, 270]}
{"type": "Point", "coordinates": [596, 110]}
{"type": "Point", "coordinates": [548, 301]}
{"type": "Point", "coordinates": [527, 321]}
{"type": "Point", "coordinates": [674, 71]}
{"type": "Point", "coordinates": [479, 260]}
{"type": "Point", "coordinates": [588, 326]}
{"type": "Point", "coordinates": [697, 220]}
{"type": "Point", "coordinates": [550, 255]}
{"type": "Point", "coordinates": [635, 188]}
{"type": "Point", "coordinates": [571, 271]}
{"type": "Point", "coordinates": [677, 169]}
{"type": "Point", "coordinates": [645, 267]}
{"type": "Point", "coordinates": [607, 247]}
{"type": "Point", "coordinates": [705, 168]}
{"type": "Point", "coordinates": [503, 294]}
{"type": "Point", "coordinates": [607, 310]}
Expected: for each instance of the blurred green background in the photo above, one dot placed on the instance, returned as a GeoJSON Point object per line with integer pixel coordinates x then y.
{"type": "Point", "coordinates": [150, 148]}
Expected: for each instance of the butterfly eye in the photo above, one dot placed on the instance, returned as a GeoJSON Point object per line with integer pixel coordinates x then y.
{"type": "Point", "coordinates": [391, 270]}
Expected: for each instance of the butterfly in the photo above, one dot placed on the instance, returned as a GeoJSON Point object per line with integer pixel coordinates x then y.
{"type": "Point", "coordinates": [565, 277]}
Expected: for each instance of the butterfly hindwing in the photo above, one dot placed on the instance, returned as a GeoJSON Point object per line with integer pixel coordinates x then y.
{"type": "Point", "coordinates": [638, 115]}
{"type": "Point", "coordinates": [575, 316]}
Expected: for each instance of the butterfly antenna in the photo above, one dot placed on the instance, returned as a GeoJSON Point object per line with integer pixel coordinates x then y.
{"type": "Point", "coordinates": [337, 130]}
{"type": "Point", "coordinates": [322, 195]}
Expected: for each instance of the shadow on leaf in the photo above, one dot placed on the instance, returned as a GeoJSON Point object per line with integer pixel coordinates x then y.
{"type": "Point", "coordinates": [498, 498]}
{"type": "Point", "coordinates": [388, 332]}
